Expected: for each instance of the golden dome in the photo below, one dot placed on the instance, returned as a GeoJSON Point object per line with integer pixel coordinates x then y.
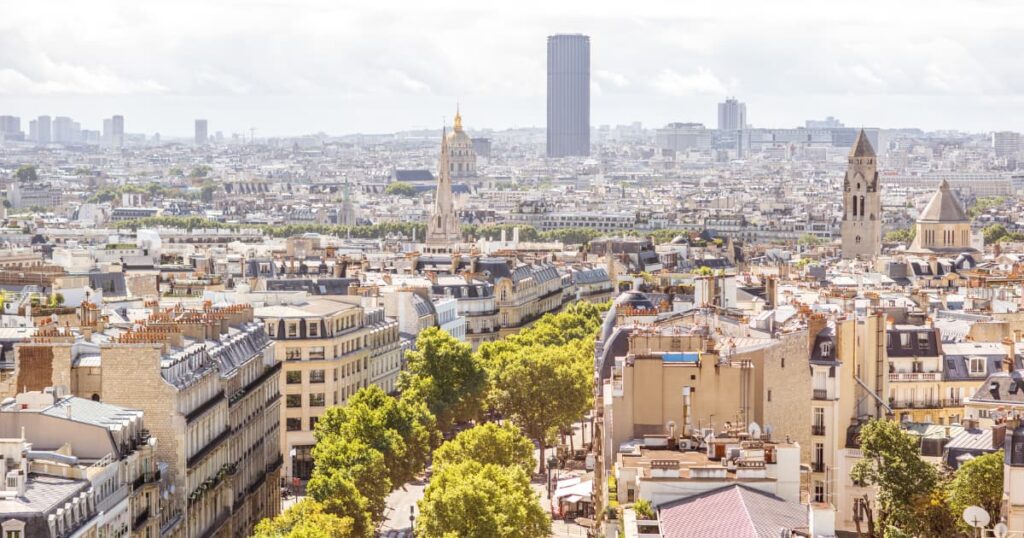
{"type": "Point", "coordinates": [458, 119]}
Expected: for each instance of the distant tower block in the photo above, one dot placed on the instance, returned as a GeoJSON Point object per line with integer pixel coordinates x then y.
{"type": "Point", "coordinates": [862, 203]}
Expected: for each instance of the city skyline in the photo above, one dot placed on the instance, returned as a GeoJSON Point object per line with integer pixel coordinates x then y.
{"type": "Point", "coordinates": [339, 70]}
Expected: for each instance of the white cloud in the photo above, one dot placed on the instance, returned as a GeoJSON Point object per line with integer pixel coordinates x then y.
{"type": "Point", "coordinates": [615, 79]}
{"type": "Point", "coordinates": [700, 82]}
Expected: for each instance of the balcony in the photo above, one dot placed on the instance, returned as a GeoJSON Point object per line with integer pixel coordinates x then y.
{"type": "Point", "coordinates": [146, 478]}
{"type": "Point", "coordinates": [818, 466]}
{"type": "Point", "coordinates": [820, 394]}
{"type": "Point", "coordinates": [924, 404]}
{"type": "Point", "coordinates": [817, 429]}
{"type": "Point", "coordinates": [915, 376]}
{"type": "Point", "coordinates": [140, 519]}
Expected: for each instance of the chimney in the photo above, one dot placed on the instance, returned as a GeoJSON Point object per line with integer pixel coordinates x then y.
{"type": "Point", "coordinates": [815, 324]}
{"type": "Point", "coordinates": [1009, 361]}
{"type": "Point", "coordinates": [998, 435]}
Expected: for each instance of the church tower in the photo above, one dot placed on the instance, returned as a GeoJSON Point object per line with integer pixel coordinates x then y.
{"type": "Point", "coordinates": [862, 203]}
{"type": "Point", "coordinates": [443, 230]}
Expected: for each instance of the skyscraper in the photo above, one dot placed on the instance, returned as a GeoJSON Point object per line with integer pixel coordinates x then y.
{"type": "Point", "coordinates": [200, 133]}
{"type": "Point", "coordinates": [10, 128]}
{"type": "Point", "coordinates": [43, 124]}
{"type": "Point", "coordinates": [117, 130]}
{"type": "Point", "coordinates": [732, 115]}
{"type": "Point", "coordinates": [568, 95]}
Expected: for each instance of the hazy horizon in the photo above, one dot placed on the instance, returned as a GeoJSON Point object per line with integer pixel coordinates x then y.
{"type": "Point", "coordinates": [291, 68]}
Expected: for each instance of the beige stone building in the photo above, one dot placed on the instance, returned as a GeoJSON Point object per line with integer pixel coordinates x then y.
{"type": "Point", "coordinates": [943, 227]}
{"type": "Point", "coordinates": [327, 349]}
{"type": "Point", "coordinates": [207, 382]}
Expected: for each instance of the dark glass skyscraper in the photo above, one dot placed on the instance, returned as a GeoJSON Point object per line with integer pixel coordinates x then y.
{"type": "Point", "coordinates": [568, 95]}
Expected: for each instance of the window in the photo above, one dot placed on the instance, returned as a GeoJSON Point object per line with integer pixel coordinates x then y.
{"type": "Point", "coordinates": [293, 424]}
{"type": "Point", "coordinates": [316, 353]}
{"type": "Point", "coordinates": [314, 329]}
{"type": "Point", "coordinates": [316, 399]}
{"type": "Point", "coordinates": [293, 400]}
{"type": "Point", "coordinates": [293, 378]}
{"type": "Point", "coordinates": [272, 329]}
{"type": "Point", "coordinates": [977, 365]}
{"type": "Point", "coordinates": [904, 339]}
{"type": "Point", "coordinates": [922, 340]}
{"type": "Point", "coordinates": [769, 395]}
{"type": "Point", "coordinates": [293, 330]}
{"type": "Point", "coordinates": [819, 491]}
{"type": "Point", "coordinates": [293, 354]}
{"type": "Point", "coordinates": [316, 376]}
{"type": "Point", "coordinates": [312, 423]}
{"type": "Point", "coordinates": [302, 461]}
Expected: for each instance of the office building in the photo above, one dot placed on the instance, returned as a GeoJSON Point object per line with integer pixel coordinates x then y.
{"type": "Point", "coordinates": [117, 131]}
{"type": "Point", "coordinates": [568, 127]}
{"type": "Point", "coordinates": [732, 115]}
{"type": "Point", "coordinates": [1006, 143]}
{"type": "Point", "coordinates": [10, 128]}
{"type": "Point", "coordinates": [201, 138]}
{"type": "Point", "coordinates": [683, 137]}
{"type": "Point", "coordinates": [44, 130]}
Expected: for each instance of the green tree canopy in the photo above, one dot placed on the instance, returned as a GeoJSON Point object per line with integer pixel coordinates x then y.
{"type": "Point", "coordinates": [338, 495]}
{"type": "Point", "coordinates": [200, 171]}
{"type": "Point", "coordinates": [488, 444]}
{"type": "Point", "coordinates": [903, 235]}
{"type": "Point", "coordinates": [26, 172]}
{"type": "Point", "coordinates": [305, 519]}
{"type": "Point", "coordinates": [643, 509]}
{"type": "Point", "coordinates": [978, 482]}
{"type": "Point", "coordinates": [445, 375]}
{"type": "Point", "coordinates": [362, 465]}
{"type": "Point", "coordinates": [544, 389]}
{"type": "Point", "coordinates": [397, 188]}
{"type": "Point", "coordinates": [892, 462]}
{"type": "Point", "coordinates": [470, 499]}
{"type": "Point", "coordinates": [401, 430]}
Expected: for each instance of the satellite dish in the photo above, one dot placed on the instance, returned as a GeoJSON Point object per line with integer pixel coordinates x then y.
{"type": "Point", "coordinates": [976, 517]}
{"type": "Point", "coordinates": [1000, 530]}
{"type": "Point", "coordinates": [768, 429]}
{"type": "Point", "coordinates": [754, 430]}
{"type": "Point", "coordinates": [670, 427]}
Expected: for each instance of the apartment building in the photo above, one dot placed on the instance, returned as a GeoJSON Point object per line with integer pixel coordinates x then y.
{"type": "Point", "coordinates": [76, 467]}
{"type": "Point", "coordinates": [327, 349]}
{"type": "Point", "coordinates": [207, 381]}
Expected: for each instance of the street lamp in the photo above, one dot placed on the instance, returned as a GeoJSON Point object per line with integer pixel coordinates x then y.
{"type": "Point", "coordinates": [412, 518]}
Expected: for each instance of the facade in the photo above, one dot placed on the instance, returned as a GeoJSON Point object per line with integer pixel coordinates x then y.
{"type": "Point", "coordinates": [201, 133]}
{"type": "Point", "coordinates": [684, 137]}
{"type": "Point", "coordinates": [327, 349]}
{"type": "Point", "coordinates": [23, 195]}
{"type": "Point", "coordinates": [208, 385]}
{"type": "Point", "coordinates": [1006, 143]}
{"type": "Point", "coordinates": [117, 131]}
{"type": "Point", "coordinates": [568, 126]}
{"type": "Point", "coordinates": [44, 127]}
{"type": "Point", "coordinates": [732, 115]}
{"type": "Point", "coordinates": [861, 228]}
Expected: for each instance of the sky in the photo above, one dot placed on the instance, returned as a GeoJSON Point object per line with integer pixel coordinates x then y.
{"type": "Point", "coordinates": [305, 66]}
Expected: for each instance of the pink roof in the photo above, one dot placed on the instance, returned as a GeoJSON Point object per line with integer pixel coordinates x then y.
{"type": "Point", "coordinates": [734, 511]}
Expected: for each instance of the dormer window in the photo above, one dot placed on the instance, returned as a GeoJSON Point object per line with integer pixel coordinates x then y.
{"type": "Point", "coordinates": [826, 349]}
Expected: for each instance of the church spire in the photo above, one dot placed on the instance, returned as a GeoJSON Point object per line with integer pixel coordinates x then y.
{"type": "Point", "coordinates": [862, 147]}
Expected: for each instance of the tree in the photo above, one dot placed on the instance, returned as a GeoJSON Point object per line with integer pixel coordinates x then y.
{"type": "Point", "coordinates": [903, 235]}
{"type": "Point", "coordinates": [338, 495]}
{"type": "Point", "coordinates": [470, 499]}
{"type": "Point", "coordinates": [305, 519]}
{"type": "Point", "coordinates": [643, 509]}
{"type": "Point", "coordinates": [362, 465]}
{"type": "Point", "coordinates": [544, 389]}
{"type": "Point", "coordinates": [808, 240]}
{"type": "Point", "coordinates": [199, 171]}
{"type": "Point", "coordinates": [978, 482]}
{"type": "Point", "coordinates": [488, 444]}
{"type": "Point", "coordinates": [892, 461]}
{"type": "Point", "coordinates": [401, 430]}
{"type": "Point", "coordinates": [444, 374]}
{"type": "Point", "coordinates": [398, 188]}
{"type": "Point", "coordinates": [26, 173]}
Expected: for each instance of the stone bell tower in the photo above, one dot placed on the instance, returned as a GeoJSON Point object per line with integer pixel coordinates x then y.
{"type": "Point", "coordinates": [862, 203]}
